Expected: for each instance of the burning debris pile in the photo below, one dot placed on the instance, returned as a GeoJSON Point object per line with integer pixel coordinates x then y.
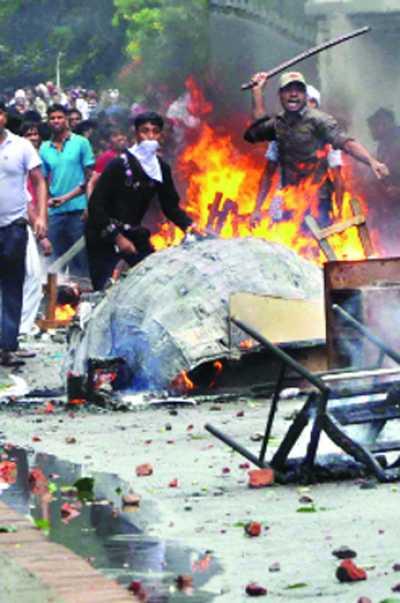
{"type": "Point", "coordinates": [220, 175]}
{"type": "Point", "coordinates": [170, 314]}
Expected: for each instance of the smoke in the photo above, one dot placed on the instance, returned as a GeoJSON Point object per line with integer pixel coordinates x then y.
{"type": "Point", "coordinates": [377, 307]}
{"type": "Point", "coordinates": [357, 76]}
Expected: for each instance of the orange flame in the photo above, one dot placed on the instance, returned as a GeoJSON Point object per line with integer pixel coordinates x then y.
{"type": "Point", "coordinates": [182, 383]}
{"type": "Point", "coordinates": [221, 190]}
{"type": "Point", "coordinates": [64, 312]}
{"type": "Point", "coordinates": [218, 367]}
{"type": "Point", "coordinates": [246, 344]}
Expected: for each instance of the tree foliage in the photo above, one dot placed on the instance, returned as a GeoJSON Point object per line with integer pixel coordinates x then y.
{"type": "Point", "coordinates": [166, 39]}
{"type": "Point", "coordinates": [34, 32]}
{"type": "Point", "coordinates": [163, 40]}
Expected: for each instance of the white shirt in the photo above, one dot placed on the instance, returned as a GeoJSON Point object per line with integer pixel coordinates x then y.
{"type": "Point", "coordinates": [17, 158]}
{"type": "Point", "coordinates": [83, 107]}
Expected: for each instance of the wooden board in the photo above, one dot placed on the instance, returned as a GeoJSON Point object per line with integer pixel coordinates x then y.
{"type": "Point", "coordinates": [281, 320]}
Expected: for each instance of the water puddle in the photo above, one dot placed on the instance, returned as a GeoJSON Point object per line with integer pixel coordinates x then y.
{"type": "Point", "coordinates": [120, 544]}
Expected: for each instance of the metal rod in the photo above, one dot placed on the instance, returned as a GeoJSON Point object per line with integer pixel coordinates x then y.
{"type": "Point", "coordinates": [233, 444]}
{"type": "Point", "coordinates": [60, 262]}
{"type": "Point", "coordinates": [274, 406]}
{"type": "Point", "coordinates": [309, 53]}
{"type": "Point", "coordinates": [288, 360]}
{"type": "Point", "coordinates": [367, 333]}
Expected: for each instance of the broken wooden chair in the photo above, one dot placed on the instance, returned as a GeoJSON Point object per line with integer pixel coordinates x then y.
{"type": "Point", "coordinates": [322, 235]}
{"type": "Point", "coordinates": [338, 399]}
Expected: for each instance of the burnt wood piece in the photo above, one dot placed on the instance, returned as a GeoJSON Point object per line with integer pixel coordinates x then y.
{"type": "Point", "coordinates": [228, 207]}
{"type": "Point", "coordinates": [213, 209]}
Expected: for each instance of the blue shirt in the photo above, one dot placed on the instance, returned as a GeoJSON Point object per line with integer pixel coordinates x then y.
{"type": "Point", "coordinates": [65, 169]}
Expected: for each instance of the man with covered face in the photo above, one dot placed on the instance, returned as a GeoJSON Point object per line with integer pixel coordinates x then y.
{"type": "Point", "coordinates": [302, 134]}
{"type": "Point", "coordinates": [121, 198]}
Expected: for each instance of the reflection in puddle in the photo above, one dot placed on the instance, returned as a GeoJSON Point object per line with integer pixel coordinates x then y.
{"type": "Point", "coordinates": [113, 540]}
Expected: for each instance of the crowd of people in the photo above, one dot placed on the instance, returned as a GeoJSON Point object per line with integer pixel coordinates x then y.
{"type": "Point", "coordinates": [64, 148]}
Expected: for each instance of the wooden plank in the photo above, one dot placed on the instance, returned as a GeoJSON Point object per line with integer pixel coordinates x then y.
{"type": "Point", "coordinates": [322, 242]}
{"type": "Point", "coordinates": [51, 291]}
{"type": "Point", "coordinates": [363, 230]}
{"type": "Point", "coordinates": [280, 320]}
{"type": "Point", "coordinates": [67, 575]}
{"type": "Point", "coordinates": [213, 209]}
{"type": "Point", "coordinates": [340, 227]}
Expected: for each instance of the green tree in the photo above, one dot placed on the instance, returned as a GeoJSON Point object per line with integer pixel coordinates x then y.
{"type": "Point", "coordinates": [33, 33]}
{"type": "Point", "coordinates": [166, 39]}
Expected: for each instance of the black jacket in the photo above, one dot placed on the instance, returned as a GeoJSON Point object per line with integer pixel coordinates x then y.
{"type": "Point", "coordinates": [123, 194]}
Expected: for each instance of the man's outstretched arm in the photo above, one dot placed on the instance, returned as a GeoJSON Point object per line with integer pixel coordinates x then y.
{"type": "Point", "coordinates": [359, 152]}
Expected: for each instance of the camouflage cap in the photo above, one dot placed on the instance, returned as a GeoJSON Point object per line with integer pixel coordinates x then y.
{"type": "Point", "coordinates": [291, 76]}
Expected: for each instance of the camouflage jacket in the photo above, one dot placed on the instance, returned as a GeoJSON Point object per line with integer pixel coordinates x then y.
{"type": "Point", "coordinates": [302, 138]}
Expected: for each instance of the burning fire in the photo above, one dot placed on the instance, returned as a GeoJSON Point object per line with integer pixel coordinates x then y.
{"type": "Point", "coordinates": [64, 312]}
{"type": "Point", "coordinates": [221, 190]}
{"type": "Point", "coordinates": [218, 368]}
{"type": "Point", "coordinates": [182, 383]}
{"type": "Point", "coordinates": [246, 344]}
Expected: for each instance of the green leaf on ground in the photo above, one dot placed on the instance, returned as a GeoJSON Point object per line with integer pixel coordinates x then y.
{"type": "Point", "coordinates": [240, 524]}
{"type": "Point", "coordinates": [296, 585]}
{"type": "Point", "coordinates": [42, 524]}
{"type": "Point", "coordinates": [309, 509]}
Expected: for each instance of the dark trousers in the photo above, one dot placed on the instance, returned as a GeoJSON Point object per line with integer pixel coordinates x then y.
{"type": "Point", "coordinates": [64, 230]}
{"type": "Point", "coordinates": [103, 258]}
{"type": "Point", "coordinates": [13, 243]}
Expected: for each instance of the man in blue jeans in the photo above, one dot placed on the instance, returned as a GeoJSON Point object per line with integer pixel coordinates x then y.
{"type": "Point", "coordinates": [18, 159]}
{"type": "Point", "coordinates": [67, 164]}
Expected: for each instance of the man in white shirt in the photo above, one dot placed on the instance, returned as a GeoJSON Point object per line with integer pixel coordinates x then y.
{"type": "Point", "coordinates": [18, 159]}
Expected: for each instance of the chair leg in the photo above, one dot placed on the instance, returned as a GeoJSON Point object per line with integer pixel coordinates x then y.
{"type": "Point", "coordinates": [295, 430]}
{"type": "Point", "coordinates": [272, 412]}
{"type": "Point", "coordinates": [351, 447]}
{"type": "Point", "coordinates": [312, 447]}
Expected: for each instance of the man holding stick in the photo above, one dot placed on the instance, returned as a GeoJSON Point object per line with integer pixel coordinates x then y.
{"type": "Point", "coordinates": [302, 133]}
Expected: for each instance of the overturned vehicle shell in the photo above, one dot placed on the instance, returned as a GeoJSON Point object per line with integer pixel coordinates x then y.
{"type": "Point", "coordinates": [171, 313]}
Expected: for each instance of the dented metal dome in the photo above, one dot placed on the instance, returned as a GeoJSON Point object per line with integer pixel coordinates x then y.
{"type": "Point", "coordinates": [170, 314]}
